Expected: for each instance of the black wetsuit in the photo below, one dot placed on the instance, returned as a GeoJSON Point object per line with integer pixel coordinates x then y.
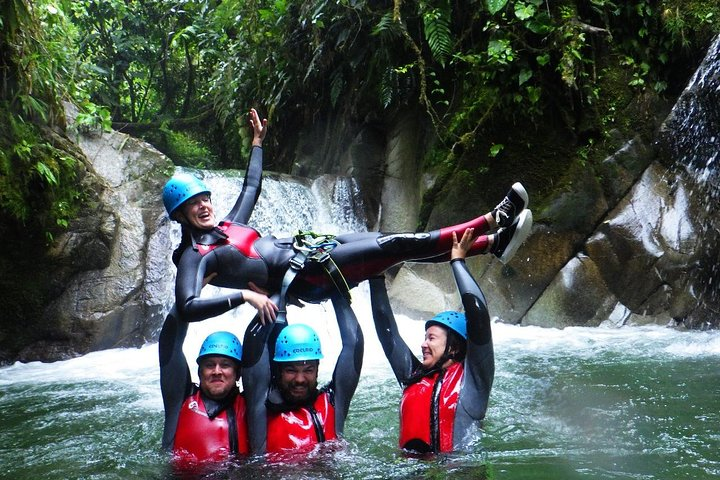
{"type": "Point", "coordinates": [479, 363]}
{"type": "Point", "coordinates": [257, 372]}
{"type": "Point", "coordinates": [234, 254]}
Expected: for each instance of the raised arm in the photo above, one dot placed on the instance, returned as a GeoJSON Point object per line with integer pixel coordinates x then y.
{"type": "Point", "coordinates": [349, 363]}
{"type": "Point", "coordinates": [175, 380]}
{"type": "Point", "coordinates": [402, 361]}
{"type": "Point", "coordinates": [480, 358]}
{"type": "Point", "coordinates": [252, 184]}
{"type": "Point", "coordinates": [256, 378]}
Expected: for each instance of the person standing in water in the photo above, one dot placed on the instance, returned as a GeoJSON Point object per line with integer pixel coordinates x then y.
{"type": "Point", "coordinates": [204, 423]}
{"type": "Point", "coordinates": [287, 413]}
{"type": "Point", "coordinates": [445, 395]}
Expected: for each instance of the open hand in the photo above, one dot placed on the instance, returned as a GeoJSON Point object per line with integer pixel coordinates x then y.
{"type": "Point", "coordinates": [259, 128]}
{"type": "Point", "coordinates": [267, 310]}
{"type": "Point", "coordinates": [461, 248]}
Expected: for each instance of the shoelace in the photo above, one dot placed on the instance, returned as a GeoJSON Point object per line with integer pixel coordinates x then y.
{"type": "Point", "coordinates": [503, 211]}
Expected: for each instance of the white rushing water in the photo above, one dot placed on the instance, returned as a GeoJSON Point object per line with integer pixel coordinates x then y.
{"type": "Point", "coordinates": [138, 367]}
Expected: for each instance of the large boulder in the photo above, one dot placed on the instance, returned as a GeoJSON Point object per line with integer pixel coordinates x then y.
{"type": "Point", "coordinates": [635, 243]}
{"type": "Point", "coordinates": [110, 287]}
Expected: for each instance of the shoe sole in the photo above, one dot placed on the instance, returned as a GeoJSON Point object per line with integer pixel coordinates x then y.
{"type": "Point", "coordinates": [518, 188]}
{"type": "Point", "coordinates": [524, 225]}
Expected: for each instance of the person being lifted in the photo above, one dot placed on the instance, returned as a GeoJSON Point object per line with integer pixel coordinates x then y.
{"type": "Point", "coordinates": [234, 255]}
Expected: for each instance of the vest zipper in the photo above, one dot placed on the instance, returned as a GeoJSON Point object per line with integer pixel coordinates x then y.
{"type": "Point", "coordinates": [232, 429]}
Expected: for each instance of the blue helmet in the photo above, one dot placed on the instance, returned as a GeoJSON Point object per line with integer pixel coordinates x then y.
{"type": "Point", "coordinates": [179, 188]}
{"type": "Point", "coordinates": [453, 320]}
{"type": "Point", "coordinates": [221, 343]}
{"type": "Point", "coordinates": [297, 343]}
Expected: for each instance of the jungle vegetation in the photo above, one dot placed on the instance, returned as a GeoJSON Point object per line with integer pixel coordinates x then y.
{"type": "Point", "coordinates": [182, 74]}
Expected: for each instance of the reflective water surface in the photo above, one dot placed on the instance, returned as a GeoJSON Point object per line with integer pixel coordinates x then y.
{"type": "Point", "coordinates": [585, 403]}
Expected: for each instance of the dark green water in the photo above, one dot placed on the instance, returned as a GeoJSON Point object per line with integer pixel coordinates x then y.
{"type": "Point", "coordinates": [634, 403]}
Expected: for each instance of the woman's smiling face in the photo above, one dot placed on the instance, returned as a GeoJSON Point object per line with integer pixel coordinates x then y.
{"type": "Point", "coordinates": [199, 211]}
{"type": "Point", "coordinates": [434, 345]}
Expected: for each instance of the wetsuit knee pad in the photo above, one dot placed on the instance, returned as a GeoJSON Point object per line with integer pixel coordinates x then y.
{"type": "Point", "coordinates": [401, 242]}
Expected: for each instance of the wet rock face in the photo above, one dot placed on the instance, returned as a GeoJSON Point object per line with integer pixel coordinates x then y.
{"type": "Point", "coordinates": [690, 145]}
{"type": "Point", "coordinates": [643, 248]}
{"type": "Point", "coordinates": [650, 224]}
{"type": "Point", "coordinates": [654, 257]}
{"type": "Point", "coordinates": [110, 284]}
{"type": "Point", "coordinates": [690, 136]}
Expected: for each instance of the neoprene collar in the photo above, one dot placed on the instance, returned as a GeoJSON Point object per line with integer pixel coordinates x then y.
{"type": "Point", "coordinates": [213, 408]}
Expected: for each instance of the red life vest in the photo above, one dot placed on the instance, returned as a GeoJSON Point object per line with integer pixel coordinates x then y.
{"type": "Point", "coordinates": [298, 429]}
{"type": "Point", "coordinates": [418, 403]}
{"type": "Point", "coordinates": [200, 439]}
{"type": "Point", "coordinates": [239, 236]}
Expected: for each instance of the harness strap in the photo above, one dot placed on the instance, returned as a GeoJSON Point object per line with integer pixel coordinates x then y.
{"type": "Point", "coordinates": [297, 263]}
{"type": "Point", "coordinates": [312, 247]}
{"type": "Point", "coordinates": [337, 278]}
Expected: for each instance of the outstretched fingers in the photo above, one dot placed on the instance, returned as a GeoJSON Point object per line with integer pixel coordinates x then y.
{"type": "Point", "coordinates": [267, 310]}
{"type": "Point", "coordinates": [259, 127]}
{"type": "Point", "coordinates": [461, 247]}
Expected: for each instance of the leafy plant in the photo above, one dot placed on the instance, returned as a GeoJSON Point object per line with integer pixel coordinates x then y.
{"type": "Point", "coordinates": [37, 174]}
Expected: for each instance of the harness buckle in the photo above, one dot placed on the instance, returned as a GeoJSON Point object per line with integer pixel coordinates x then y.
{"type": "Point", "coordinates": [320, 256]}
{"type": "Point", "coordinates": [297, 262]}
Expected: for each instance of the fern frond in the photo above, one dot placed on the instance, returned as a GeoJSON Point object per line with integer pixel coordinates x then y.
{"type": "Point", "coordinates": [437, 33]}
{"type": "Point", "coordinates": [388, 86]}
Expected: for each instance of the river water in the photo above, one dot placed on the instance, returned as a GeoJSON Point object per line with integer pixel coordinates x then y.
{"type": "Point", "coordinates": [578, 403]}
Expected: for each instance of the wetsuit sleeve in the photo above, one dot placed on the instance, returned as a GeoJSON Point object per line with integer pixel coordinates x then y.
{"type": "Point", "coordinates": [402, 361]}
{"type": "Point", "coordinates": [250, 192]}
{"type": "Point", "coordinates": [256, 377]}
{"type": "Point", "coordinates": [349, 363]}
{"type": "Point", "coordinates": [188, 286]}
{"type": "Point", "coordinates": [480, 359]}
{"type": "Point", "coordinates": [175, 380]}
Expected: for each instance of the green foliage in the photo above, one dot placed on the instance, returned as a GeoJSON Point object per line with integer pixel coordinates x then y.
{"type": "Point", "coordinates": [468, 64]}
{"type": "Point", "coordinates": [92, 118]}
{"type": "Point", "coordinates": [436, 22]}
{"type": "Point", "coordinates": [494, 6]}
{"type": "Point", "coordinates": [184, 149]}
{"type": "Point", "coordinates": [37, 174]}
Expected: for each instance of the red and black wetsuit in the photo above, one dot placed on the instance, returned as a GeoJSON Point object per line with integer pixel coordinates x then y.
{"type": "Point", "coordinates": [234, 254]}
{"type": "Point", "coordinates": [440, 409]}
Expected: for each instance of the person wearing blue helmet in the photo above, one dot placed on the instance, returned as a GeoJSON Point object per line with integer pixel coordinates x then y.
{"type": "Point", "coordinates": [234, 255]}
{"type": "Point", "coordinates": [205, 423]}
{"type": "Point", "coordinates": [446, 393]}
{"type": "Point", "coordinates": [287, 413]}
{"type": "Point", "coordinates": [187, 200]}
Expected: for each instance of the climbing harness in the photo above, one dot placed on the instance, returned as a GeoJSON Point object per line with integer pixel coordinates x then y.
{"type": "Point", "coordinates": [312, 247]}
